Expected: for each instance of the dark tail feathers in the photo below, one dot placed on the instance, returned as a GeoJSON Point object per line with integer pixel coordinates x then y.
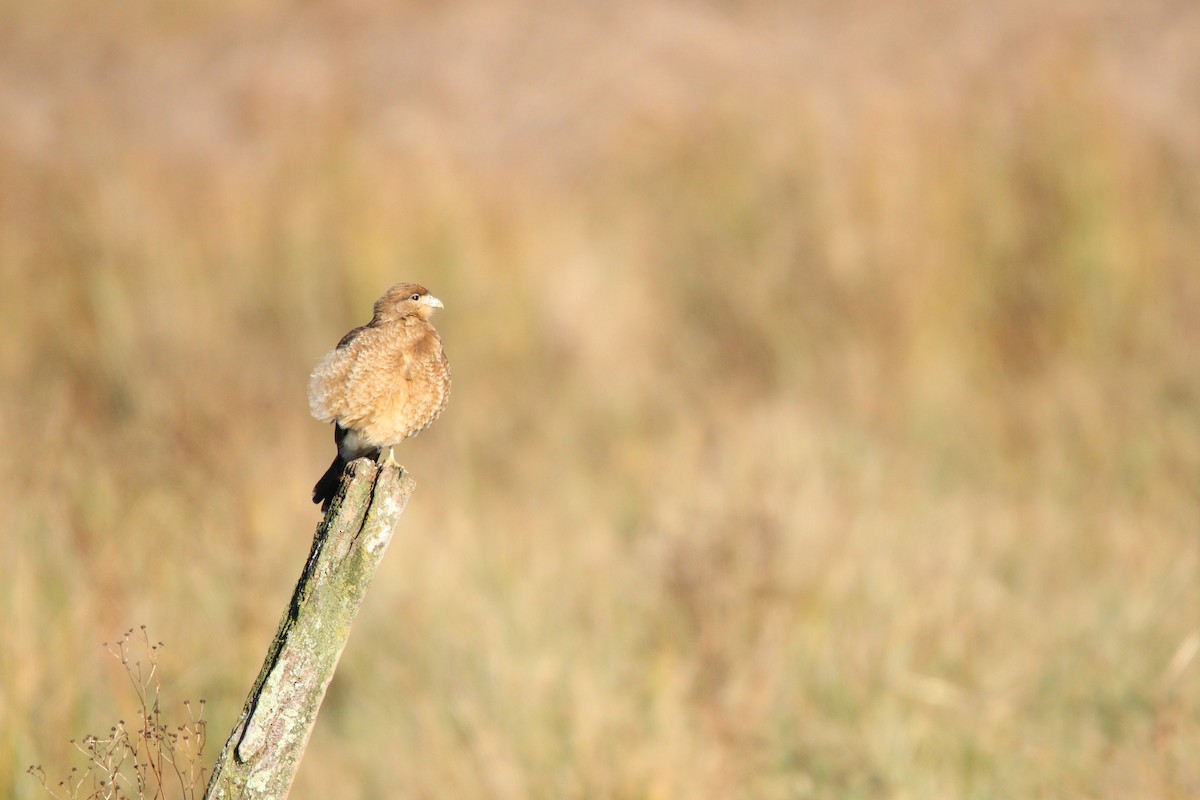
{"type": "Point", "coordinates": [327, 486]}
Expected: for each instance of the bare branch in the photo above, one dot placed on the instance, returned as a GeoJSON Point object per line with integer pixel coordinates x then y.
{"type": "Point", "coordinates": [262, 754]}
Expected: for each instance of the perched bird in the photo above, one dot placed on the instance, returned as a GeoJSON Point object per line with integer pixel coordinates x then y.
{"type": "Point", "coordinates": [384, 382]}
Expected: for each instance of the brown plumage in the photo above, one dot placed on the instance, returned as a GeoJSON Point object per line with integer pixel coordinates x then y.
{"type": "Point", "coordinates": [384, 382]}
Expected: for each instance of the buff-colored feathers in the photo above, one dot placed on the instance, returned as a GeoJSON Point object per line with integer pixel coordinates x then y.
{"type": "Point", "coordinates": [384, 382]}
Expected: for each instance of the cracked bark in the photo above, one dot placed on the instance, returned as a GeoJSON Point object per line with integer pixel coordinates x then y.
{"type": "Point", "coordinates": [260, 759]}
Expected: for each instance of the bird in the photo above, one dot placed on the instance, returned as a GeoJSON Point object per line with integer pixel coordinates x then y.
{"type": "Point", "coordinates": [384, 382]}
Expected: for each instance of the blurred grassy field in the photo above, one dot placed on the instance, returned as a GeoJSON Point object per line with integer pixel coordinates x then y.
{"type": "Point", "coordinates": [826, 418]}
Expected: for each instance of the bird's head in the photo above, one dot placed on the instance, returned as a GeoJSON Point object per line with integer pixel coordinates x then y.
{"type": "Point", "coordinates": [405, 300]}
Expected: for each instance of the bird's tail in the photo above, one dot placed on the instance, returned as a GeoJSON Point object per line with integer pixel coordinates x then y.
{"type": "Point", "coordinates": [327, 486]}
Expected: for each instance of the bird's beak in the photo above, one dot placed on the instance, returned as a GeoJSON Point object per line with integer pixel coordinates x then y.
{"type": "Point", "coordinates": [432, 301]}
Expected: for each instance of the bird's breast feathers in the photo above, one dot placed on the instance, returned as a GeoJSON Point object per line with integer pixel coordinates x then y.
{"type": "Point", "coordinates": [389, 383]}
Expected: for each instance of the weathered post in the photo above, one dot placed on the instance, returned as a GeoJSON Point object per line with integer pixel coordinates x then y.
{"type": "Point", "coordinates": [261, 757]}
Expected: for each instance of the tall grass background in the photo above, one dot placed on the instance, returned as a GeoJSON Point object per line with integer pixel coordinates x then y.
{"type": "Point", "coordinates": [826, 418]}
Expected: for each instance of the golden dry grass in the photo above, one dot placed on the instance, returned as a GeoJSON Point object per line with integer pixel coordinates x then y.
{"type": "Point", "coordinates": [827, 406]}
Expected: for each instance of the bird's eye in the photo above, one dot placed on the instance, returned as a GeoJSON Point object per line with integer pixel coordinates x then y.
{"type": "Point", "coordinates": [415, 297]}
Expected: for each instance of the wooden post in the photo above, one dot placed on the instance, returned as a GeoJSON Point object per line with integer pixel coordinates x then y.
{"type": "Point", "coordinates": [261, 757]}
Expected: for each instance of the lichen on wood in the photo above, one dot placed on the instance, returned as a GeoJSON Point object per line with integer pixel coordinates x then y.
{"type": "Point", "coordinates": [260, 759]}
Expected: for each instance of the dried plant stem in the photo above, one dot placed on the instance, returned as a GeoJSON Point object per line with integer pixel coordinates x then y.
{"type": "Point", "coordinates": [262, 754]}
{"type": "Point", "coordinates": [136, 761]}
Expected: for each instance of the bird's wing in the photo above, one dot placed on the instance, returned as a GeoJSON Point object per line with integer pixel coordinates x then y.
{"type": "Point", "coordinates": [327, 393]}
{"type": "Point", "coordinates": [371, 387]}
{"type": "Point", "coordinates": [351, 336]}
